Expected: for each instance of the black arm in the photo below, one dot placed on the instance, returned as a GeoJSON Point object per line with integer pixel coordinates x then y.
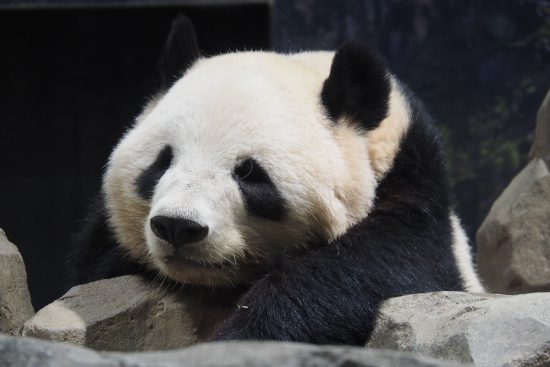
{"type": "Point", "coordinates": [330, 296]}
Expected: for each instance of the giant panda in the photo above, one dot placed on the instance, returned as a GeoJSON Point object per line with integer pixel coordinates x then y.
{"type": "Point", "coordinates": [314, 182]}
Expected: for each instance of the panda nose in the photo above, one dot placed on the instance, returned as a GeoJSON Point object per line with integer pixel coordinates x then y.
{"type": "Point", "coordinates": [177, 231]}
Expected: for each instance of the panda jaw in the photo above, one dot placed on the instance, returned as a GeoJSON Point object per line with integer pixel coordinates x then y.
{"type": "Point", "coordinates": [216, 275]}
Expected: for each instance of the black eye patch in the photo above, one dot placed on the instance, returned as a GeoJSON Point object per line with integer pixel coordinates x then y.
{"type": "Point", "coordinates": [149, 178]}
{"type": "Point", "coordinates": [259, 193]}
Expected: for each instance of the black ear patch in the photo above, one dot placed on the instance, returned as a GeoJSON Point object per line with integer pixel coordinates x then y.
{"type": "Point", "coordinates": [358, 86]}
{"type": "Point", "coordinates": [149, 178]}
{"type": "Point", "coordinates": [260, 194]}
{"type": "Point", "coordinates": [180, 51]}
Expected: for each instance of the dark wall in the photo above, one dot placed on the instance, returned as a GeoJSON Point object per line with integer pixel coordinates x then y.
{"type": "Point", "coordinates": [71, 81]}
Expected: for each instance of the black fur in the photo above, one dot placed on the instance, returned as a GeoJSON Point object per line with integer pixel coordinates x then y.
{"type": "Point", "coordinates": [331, 295]}
{"type": "Point", "coordinates": [148, 179]}
{"type": "Point", "coordinates": [260, 194]}
{"type": "Point", "coordinates": [180, 51]}
{"type": "Point", "coordinates": [357, 87]}
{"type": "Point", "coordinates": [97, 254]}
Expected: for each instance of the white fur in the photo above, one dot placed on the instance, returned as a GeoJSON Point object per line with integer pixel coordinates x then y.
{"type": "Point", "coordinates": [461, 251]}
{"type": "Point", "coordinates": [384, 141]}
{"type": "Point", "coordinates": [225, 109]}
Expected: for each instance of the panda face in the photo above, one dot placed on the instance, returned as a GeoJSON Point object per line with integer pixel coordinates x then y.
{"type": "Point", "coordinates": [235, 165]}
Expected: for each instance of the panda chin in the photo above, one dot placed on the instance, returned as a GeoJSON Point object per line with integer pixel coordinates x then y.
{"type": "Point", "coordinates": [180, 261]}
{"type": "Point", "coordinates": [187, 271]}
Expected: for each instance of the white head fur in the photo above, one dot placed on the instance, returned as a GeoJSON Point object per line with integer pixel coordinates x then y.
{"type": "Point", "coordinates": [223, 110]}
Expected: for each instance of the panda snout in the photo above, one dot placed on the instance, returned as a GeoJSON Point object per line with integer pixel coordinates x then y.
{"type": "Point", "coordinates": [177, 231]}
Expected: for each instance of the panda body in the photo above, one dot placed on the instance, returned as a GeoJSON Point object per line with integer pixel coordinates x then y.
{"type": "Point", "coordinates": [315, 180]}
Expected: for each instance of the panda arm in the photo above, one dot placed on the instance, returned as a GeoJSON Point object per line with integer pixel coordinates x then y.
{"type": "Point", "coordinates": [330, 296]}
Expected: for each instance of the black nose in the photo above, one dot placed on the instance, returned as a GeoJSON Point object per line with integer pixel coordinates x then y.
{"type": "Point", "coordinates": [178, 231]}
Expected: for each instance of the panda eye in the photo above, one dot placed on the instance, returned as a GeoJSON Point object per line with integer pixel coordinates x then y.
{"type": "Point", "coordinates": [261, 196]}
{"type": "Point", "coordinates": [250, 172]}
{"type": "Point", "coordinates": [164, 159]}
{"type": "Point", "coordinates": [148, 179]}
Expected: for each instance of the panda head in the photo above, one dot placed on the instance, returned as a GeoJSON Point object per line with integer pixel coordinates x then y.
{"type": "Point", "coordinates": [245, 157]}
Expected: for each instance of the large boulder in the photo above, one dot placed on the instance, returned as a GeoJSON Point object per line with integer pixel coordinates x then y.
{"type": "Point", "coordinates": [129, 314]}
{"type": "Point", "coordinates": [513, 242]}
{"type": "Point", "coordinates": [488, 330]}
{"type": "Point", "coordinates": [27, 352]}
{"type": "Point", "coordinates": [15, 301]}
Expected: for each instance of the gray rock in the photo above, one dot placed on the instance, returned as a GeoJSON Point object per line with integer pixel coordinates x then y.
{"type": "Point", "coordinates": [488, 330]}
{"type": "Point", "coordinates": [27, 352]}
{"type": "Point", "coordinates": [541, 145]}
{"type": "Point", "coordinates": [127, 314]}
{"type": "Point", "coordinates": [513, 243]}
{"type": "Point", "coordinates": [15, 300]}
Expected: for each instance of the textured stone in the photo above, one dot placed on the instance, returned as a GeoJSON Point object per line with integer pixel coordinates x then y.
{"type": "Point", "coordinates": [27, 352]}
{"type": "Point", "coordinates": [513, 243]}
{"type": "Point", "coordinates": [488, 330]}
{"type": "Point", "coordinates": [127, 314]}
{"type": "Point", "coordinates": [15, 301]}
{"type": "Point", "coordinates": [541, 145]}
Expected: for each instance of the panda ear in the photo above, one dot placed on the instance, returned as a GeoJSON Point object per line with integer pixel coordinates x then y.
{"type": "Point", "coordinates": [180, 51]}
{"type": "Point", "coordinates": [358, 86]}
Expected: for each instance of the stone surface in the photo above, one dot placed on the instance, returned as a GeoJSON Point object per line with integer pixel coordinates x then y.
{"type": "Point", "coordinates": [541, 145]}
{"type": "Point", "coordinates": [27, 352]}
{"type": "Point", "coordinates": [128, 314]}
{"type": "Point", "coordinates": [513, 242]}
{"type": "Point", "coordinates": [15, 301]}
{"type": "Point", "coordinates": [488, 330]}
